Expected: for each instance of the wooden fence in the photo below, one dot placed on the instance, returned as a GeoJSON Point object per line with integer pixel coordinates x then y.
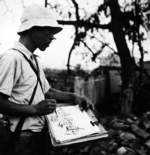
{"type": "Point", "coordinates": [94, 89]}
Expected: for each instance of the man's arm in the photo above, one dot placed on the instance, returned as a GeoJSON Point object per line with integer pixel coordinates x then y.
{"type": "Point", "coordinates": [67, 97]}
{"type": "Point", "coordinates": [8, 107]}
{"type": "Point", "coordinates": [59, 96]}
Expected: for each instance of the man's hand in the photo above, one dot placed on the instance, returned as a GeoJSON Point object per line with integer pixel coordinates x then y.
{"type": "Point", "coordinates": [67, 97]}
{"type": "Point", "coordinates": [83, 102]}
{"type": "Point", "coordinates": [45, 107]}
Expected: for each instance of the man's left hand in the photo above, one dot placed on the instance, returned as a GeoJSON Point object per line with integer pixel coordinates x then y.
{"type": "Point", "coordinates": [83, 102]}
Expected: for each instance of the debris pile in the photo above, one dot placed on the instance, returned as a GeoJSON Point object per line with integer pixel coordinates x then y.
{"type": "Point", "coordinates": [127, 136]}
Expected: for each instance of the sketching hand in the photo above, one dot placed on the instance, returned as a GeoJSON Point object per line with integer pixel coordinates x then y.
{"type": "Point", "coordinates": [83, 102]}
{"type": "Point", "coordinates": [45, 107]}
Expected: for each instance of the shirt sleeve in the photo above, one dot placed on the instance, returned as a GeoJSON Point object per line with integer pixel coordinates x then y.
{"type": "Point", "coordinates": [46, 86]}
{"type": "Point", "coordinates": [8, 71]}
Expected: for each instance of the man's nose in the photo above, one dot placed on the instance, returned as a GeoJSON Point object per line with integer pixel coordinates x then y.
{"type": "Point", "coordinates": [51, 38]}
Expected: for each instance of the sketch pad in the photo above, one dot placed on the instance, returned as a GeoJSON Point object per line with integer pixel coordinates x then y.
{"type": "Point", "coordinates": [70, 125]}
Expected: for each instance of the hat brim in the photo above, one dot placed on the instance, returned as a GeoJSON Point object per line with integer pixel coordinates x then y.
{"type": "Point", "coordinates": [26, 25]}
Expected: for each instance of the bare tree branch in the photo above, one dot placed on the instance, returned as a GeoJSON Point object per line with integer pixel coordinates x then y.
{"type": "Point", "coordinates": [87, 46]}
{"type": "Point", "coordinates": [76, 9]}
{"type": "Point", "coordinates": [46, 3]}
{"type": "Point", "coordinates": [81, 23]}
{"type": "Point", "coordinates": [75, 40]}
{"type": "Point", "coordinates": [105, 44]}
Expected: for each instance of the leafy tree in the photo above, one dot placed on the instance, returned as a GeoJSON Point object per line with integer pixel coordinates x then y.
{"type": "Point", "coordinates": [112, 19]}
{"type": "Point", "coordinates": [105, 26]}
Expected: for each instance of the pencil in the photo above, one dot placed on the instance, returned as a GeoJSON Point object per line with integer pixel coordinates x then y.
{"type": "Point", "coordinates": [56, 113]}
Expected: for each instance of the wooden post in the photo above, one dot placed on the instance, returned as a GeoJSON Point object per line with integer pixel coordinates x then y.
{"type": "Point", "coordinates": [79, 85]}
{"type": "Point", "coordinates": [93, 89]}
{"type": "Point", "coordinates": [126, 103]}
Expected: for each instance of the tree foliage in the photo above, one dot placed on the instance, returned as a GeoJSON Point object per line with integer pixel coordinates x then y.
{"type": "Point", "coordinates": [107, 26]}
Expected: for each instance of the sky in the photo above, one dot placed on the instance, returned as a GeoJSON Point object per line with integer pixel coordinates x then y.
{"type": "Point", "coordinates": [55, 56]}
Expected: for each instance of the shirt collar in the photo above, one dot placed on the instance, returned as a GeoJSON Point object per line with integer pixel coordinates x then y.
{"type": "Point", "coordinates": [19, 46]}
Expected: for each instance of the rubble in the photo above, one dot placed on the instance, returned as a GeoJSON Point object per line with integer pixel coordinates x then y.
{"type": "Point", "coordinates": [127, 136]}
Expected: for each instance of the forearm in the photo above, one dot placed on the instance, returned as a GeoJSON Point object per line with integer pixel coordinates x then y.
{"type": "Point", "coordinates": [14, 109]}
{"type": "Point", "coordinates": [59, 96]}
{"type": "Point", "coordinates": [67, 97]}
{"type": "Point", "coordinates": [11, 108]}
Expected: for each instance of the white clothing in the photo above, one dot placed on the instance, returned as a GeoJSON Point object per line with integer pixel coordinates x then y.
{"type": "Point", "coordinates": [17, 80]}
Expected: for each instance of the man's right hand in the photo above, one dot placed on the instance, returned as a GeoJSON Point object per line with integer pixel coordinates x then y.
{"type": "Point", "coordinates": [45, 107]}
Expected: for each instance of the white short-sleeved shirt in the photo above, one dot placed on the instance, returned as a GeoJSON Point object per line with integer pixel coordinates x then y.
{"type": "Point", "coordinates": [18, 80]}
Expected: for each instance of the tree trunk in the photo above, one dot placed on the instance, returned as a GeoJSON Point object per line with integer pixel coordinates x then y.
{"type": "Point", "coordinates": [119, 38]}
{"type": "Point", "coordinates": [125, 57]}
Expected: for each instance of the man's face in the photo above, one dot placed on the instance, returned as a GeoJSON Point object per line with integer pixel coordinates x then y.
{"type": "Point", "coordinates": [42, 37]}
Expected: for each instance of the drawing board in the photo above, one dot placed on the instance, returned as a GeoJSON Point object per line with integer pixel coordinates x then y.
{"type": "Point", "coordinates": [69, 123]}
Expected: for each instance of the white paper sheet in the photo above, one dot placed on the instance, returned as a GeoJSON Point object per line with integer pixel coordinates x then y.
{"type": "Point", "coordinates": [70, 123]}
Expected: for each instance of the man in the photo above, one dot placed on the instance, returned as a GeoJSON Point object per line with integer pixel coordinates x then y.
{"type": "Point", "coordinates": [18, 81]}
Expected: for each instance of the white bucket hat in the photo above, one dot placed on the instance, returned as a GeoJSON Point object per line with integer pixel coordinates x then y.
{"type": "Point", "coordinates": [36, 15]}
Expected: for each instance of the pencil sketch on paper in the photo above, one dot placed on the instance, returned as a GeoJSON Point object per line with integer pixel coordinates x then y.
{"type": "Point", "coordinates": [65, 121]}
{"type": "Point", "coordinates": [69, 123]}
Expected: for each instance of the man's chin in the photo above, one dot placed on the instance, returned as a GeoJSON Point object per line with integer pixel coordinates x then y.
{"type": "Point", "coordinates": [43, 48]}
